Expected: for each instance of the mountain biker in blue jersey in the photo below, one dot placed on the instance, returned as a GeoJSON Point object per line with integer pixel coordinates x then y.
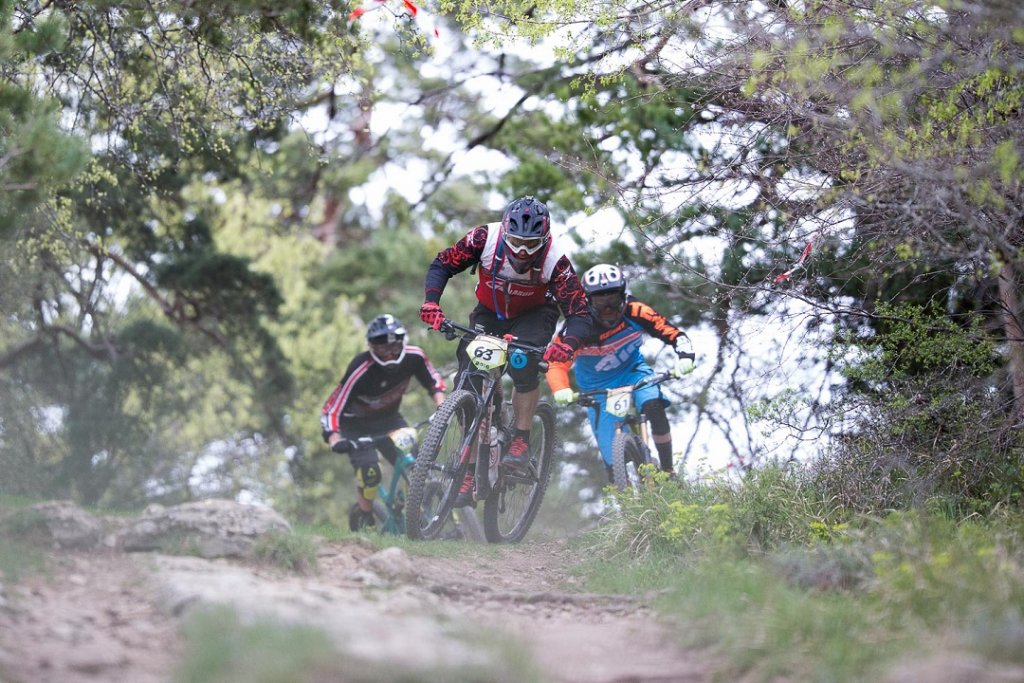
{"type": "Point", "coordinates": [524, 281]}
{"type": "Point", "coordinates": [367, 400]}
{"type": "Point", "coordinates": [610, 357]}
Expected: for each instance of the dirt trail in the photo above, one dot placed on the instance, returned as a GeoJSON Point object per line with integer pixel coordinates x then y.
{"type": "Point", "coordinates": [109, 616]}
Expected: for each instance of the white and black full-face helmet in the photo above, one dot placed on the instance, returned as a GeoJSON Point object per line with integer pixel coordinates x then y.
{"type": "Point", "coordinates": [605, 286]}
{"type": "Point", "coordinates": [525, 230]}
{"type": "Point", "coordinates": [386, 339]}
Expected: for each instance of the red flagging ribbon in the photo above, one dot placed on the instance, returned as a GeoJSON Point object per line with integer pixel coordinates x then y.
{"type": "Point", "coordinates": [799, 264]}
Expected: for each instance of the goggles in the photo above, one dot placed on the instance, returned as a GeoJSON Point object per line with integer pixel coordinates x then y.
{"type": "Point", "coordinates": [382, 348]}
{"type": "Point", "coordinates": [525, 245]}
{"type": "Point", "coordinates": [611, 301]}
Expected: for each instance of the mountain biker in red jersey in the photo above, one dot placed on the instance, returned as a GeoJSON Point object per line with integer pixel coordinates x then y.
{"type": "Point", "coordinates": [366, 402]}
{"type": "Point", "coordinates": [523, 282]}
{"type": "Point", "coordinates": [610, 357]}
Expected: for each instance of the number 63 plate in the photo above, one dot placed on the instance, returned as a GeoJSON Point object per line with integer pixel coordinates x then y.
{"type": "Point", "coordinates": [487, 353]}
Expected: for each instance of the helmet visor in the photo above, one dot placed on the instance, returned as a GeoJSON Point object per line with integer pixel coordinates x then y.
{"type": "Point", "coordinates": [385, 351]}
{"type": "Point", "coordinates": [524, 246]}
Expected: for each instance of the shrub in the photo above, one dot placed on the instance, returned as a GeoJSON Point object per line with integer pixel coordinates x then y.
{"type": "Point", "coordinates": [924, 420]}
{"type": "Point", "coordinates": [289, 551]}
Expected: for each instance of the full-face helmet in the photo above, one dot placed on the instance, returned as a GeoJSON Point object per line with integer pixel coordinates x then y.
{"type": "Point", "coordinates": [605, 286]}
{"type": "Point", "coordinates": [525, 230]}
{"type": "Point", "coordinates": [386, 339]}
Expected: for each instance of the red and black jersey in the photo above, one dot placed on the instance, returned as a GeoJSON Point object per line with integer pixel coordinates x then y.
{"type": "Point", "coordinates": [503, 290]}
{"type": "Point", "coordinates": [369, 390]}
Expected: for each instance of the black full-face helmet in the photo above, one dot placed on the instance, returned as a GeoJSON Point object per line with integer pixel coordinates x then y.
{"type": "Point", "coordinates": [526, 230]}
{"type": "Point", "coordinates": [605, 286]}
{"type": "Point", "coordinates": [386, 339]}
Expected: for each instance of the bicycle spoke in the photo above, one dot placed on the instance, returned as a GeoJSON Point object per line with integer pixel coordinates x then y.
{"type": "Point", "coordinates": [512, 506]}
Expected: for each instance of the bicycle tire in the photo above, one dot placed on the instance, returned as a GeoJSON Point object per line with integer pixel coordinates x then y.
{"type": "Point", "coordinates": [628, 454]}
{"type": "Point", "coordinates": [512, 506]}
{"type": "Point", "coordinates": [439, 460]}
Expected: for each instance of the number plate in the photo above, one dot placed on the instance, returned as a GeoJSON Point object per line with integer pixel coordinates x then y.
{"type": "Point", "coordinates": [619, 402]}
{"type": "Point", "coordinates": [404, 438]}
{"type": "Point", "coordinates": [487, 353]}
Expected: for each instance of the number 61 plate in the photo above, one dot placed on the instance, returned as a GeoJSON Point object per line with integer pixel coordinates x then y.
{"type": "Point", "coordinates": [619, 402]}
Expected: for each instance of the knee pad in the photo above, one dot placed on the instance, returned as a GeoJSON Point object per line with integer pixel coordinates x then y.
{"type": "Point", "coordinates": [525, 379]}
{"type": "Point", "coordinates": [368, 475]}
{"type": "Point", "coordinates": [655, 413]}
{"type": "Point", "coordinates": [368, 478]}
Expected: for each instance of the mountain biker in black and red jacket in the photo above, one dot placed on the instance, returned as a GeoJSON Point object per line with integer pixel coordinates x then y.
{"type": "Point", "coordinates": [367, 400]}
{"type": "Point", "coordinates": [524, 282]}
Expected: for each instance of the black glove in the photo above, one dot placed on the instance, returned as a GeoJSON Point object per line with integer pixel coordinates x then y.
{"type": "Point", "coordinates": [343, 446]}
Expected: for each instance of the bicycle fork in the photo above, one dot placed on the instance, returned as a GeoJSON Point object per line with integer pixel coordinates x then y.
{"type": "Point", "coordinates": [487, 444]}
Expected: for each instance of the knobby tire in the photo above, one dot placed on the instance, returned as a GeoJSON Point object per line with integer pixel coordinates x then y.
{"type": "Point", "coordinates": [512, 506]}
{"type": "Point", "coordinates": [438, 461]}
{"type": "Point", "coordinates": [628, 454]}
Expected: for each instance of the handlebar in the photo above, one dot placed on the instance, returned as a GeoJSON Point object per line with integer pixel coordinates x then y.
{"type": "Point", "coordinates": [453, 330]}
{"type": "Point", "coordinates": [588, 398]}
{"type": "Point", "coordinates": [369, 440]}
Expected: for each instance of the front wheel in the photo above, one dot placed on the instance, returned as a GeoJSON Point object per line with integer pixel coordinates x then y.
{"type": "Point", "coordinates": [440, 466]}
{"type": "Point", "coordinates": [513, 504]}
{"type": "Point", "coordinates": [628, 455]}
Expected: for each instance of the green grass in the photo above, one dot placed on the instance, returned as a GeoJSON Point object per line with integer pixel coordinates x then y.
{"type": "Point", "coordinates": [20, 555]}
{"type": "Point", "coordinates": [221, 648]}
{"type": "Point", "coordinates": [287, 550]}
{"type": "Point", "coordinates": [783, 587]}
{"type": "Point", "coordinates": [18, 560]}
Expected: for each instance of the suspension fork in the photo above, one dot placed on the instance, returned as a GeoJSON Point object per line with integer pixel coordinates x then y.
{"type": "Point", "coordinates": [486, 455]}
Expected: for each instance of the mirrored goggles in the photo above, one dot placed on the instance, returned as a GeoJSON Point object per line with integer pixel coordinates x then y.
{"type": "Point", "coordinates": [525, 245]}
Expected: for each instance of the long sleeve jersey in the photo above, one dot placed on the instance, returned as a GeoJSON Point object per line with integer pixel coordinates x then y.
{"type": "Point", "coordinates": [608, 355]}
{"type": "Point", "coordinates": [506, 292]}
{"type": "Point", "coordinates": [370, 390]}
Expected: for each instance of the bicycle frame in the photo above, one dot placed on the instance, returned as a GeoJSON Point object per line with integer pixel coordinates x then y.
{"type": "Point", "coordinates": [488, 358]}
{"type": "Point", "coordinates": [470, 427]}
{"type": "Point", "coordinates": [621, 403]}
{"type": "Point", "coordinates": [389, 503]}
{"type": "Point", "coordinates": [392, 497]}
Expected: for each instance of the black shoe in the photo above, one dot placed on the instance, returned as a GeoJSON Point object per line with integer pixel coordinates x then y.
{"type": "Point", "coordinates": [361, 519]}
{"type": "Point", "coordinates": [465, 495]}
{"type": "Point", "coordinates": [518, 456]}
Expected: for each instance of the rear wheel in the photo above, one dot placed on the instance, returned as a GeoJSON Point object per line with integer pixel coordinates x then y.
{"type": "Point", "coordinates": [439, 466]}
{"type": "Point", "coordinates": [513, 504]}
{"type": "Point", "coordinates": [628, 454]}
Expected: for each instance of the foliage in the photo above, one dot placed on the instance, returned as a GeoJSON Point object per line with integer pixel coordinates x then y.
{"type": "Point", "coordinates": [826, 594]}
{"type": "Point", "coordinates": [923, 418]}
{"type": "Point", "coordinates": [37, 155]}
{"type": "Point", "coordinates": [288, 551]}
{"type": "Point", "coordinates": [772, 506]}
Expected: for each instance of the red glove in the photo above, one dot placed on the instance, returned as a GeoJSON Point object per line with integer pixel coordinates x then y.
{"type": "Point", "coordinates": [431, 314]}
{"type": "Point", "coordinates": [558, 352]}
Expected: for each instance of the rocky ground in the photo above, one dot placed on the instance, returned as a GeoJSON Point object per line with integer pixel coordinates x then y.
{"type": "Point", "coordinates": [103, 614]}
